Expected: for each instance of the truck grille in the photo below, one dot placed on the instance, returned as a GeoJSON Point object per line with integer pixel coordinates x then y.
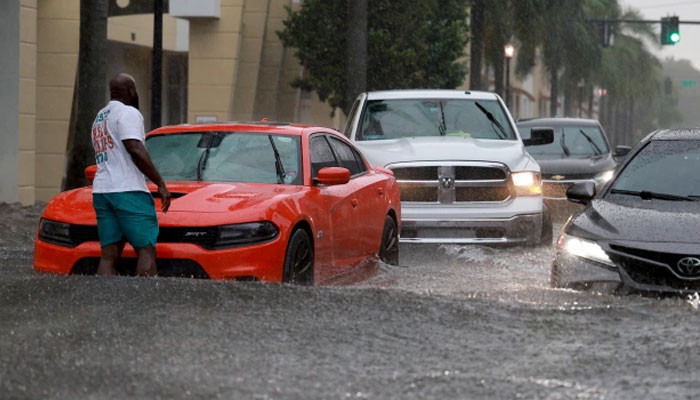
{"type": "Point", "coordinates": [454, 183]}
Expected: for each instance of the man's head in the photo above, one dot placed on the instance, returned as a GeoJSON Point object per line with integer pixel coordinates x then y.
{"type": "Point", "coordinates": [122, 87]}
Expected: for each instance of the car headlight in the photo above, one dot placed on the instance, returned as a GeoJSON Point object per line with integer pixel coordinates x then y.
{"type": "Point", "coordinates": [245, 234]}
{"type": "Point", "coordinates": [604, 177]}
{"type": "Point", "coordinates": [527, 183]}
{"type": "Point", "coordinates": [584, 248]}
{"type": "Point", "coordinates": [55, 232]}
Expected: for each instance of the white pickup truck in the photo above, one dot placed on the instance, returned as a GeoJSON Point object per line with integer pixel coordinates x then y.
{"type": "Point", "coordinates": [462, 168]}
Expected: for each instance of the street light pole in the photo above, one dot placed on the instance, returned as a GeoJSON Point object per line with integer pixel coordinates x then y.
{"type": "Point", "coordinates": [509, 51]}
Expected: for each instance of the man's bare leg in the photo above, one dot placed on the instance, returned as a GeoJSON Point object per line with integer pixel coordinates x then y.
{"type": "Point", "coordinates": [109, 257]}
{"type": "Point", "coordinates": [146, 263]}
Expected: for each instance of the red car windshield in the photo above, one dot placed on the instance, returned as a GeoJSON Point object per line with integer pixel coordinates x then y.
{"type": "Point", "coordinates": [227, 157]}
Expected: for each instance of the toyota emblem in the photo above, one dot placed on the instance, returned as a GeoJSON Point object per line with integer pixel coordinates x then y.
{"type": "Point", "coordinates": [689, 266]}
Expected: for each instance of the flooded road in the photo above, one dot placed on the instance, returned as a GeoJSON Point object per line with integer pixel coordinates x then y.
{"type": "Point", "coordinates": [450, 322]}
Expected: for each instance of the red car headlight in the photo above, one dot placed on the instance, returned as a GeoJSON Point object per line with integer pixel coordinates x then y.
{"type": "Point", "coordinates": [245, 234]}
{"type": "Point", "coordinates": [55, 232]}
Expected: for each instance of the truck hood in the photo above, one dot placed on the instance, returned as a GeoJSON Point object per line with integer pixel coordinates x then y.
{"type": "Point", "coordinates": [446, 148]}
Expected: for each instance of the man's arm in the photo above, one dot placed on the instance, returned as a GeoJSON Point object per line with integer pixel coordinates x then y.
{"type": "Point", "coordinates": [143, 161]}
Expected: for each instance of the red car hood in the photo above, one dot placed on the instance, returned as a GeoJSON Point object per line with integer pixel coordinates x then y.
{"type": "Point", "coordinates": [193, 203]}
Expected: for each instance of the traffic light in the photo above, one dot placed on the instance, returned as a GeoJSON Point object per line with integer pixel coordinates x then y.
{"type": "Point", "coordinates": [670, 34]}
{"type": "Point", "coordinates": [605, 33]}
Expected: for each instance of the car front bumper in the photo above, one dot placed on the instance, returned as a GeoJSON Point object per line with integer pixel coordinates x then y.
{"type": "Point", "coordinates": [517, 221]}
{"type": "Point", "coordinates": [262, 262]}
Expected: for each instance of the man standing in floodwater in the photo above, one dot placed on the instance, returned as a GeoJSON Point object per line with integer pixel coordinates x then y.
{"type": "Point", "coordinates": [124, 206]}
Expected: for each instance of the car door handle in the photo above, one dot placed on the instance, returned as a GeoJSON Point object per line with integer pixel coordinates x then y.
{"type": "Point", "coordinates": [355, 203]}
{"type": "Point", "coordinates": [381, 191]}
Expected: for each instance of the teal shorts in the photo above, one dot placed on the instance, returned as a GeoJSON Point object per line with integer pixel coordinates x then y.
{"type": "Point", "coordinates": [129, 216]}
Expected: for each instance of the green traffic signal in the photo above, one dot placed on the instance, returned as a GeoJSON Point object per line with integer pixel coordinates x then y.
{"type": "Point", "coordinates": [670, 33]}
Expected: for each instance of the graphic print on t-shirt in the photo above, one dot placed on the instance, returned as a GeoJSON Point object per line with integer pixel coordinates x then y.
{"type": "Point", "coordinates": [101, 140]}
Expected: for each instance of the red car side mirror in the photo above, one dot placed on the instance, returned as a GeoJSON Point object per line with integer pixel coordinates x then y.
{"type": "Point", "coordinates": [333, 176]}
{"type": "Point", "coordinates": [90, 172]}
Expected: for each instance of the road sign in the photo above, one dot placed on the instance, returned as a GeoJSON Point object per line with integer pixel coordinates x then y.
{"type": "Point", "coordinates": [689, 83]}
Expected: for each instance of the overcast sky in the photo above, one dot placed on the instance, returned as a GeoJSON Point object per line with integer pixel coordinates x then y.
{"type": "Point", "coordinates": [689, 46]}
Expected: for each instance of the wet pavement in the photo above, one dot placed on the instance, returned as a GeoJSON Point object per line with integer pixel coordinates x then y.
{"type": "Point", "coordinates": [450, 322]}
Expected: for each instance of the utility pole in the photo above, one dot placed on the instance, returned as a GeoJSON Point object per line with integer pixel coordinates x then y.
{"type": "Point", "coordinates": [157, 65]}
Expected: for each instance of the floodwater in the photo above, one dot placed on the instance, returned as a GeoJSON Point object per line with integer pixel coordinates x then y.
{"type": "Point", "coordinates": [451, 322]}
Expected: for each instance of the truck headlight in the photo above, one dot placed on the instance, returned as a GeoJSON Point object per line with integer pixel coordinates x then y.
{"type": "Point", "coordinates": [604, 177]}
{"type": "Point", "coordinates": [55, 232]}
{"type": "Point", "coordinates": [584, 248]}
{"type": "Point", "coordinates": [245, 234]}
{"type": "Point", "coordinates": [527, 183]}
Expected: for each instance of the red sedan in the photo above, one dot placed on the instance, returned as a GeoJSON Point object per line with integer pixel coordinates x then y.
{"type": "Point", "coordinates": [268, 202]}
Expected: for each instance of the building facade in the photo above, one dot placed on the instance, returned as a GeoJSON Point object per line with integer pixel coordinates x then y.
{"type": "Point", "coordinates": [223, 61]}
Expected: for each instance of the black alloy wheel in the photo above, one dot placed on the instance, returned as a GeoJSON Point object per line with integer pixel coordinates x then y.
{"type": "Point", "coordinates": [389, 248]}
{"type": "Point", "coordinates": [299, 260]}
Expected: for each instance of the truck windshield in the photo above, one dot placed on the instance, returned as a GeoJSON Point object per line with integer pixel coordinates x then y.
{"type": "Point", "coordinates": [395, 119]}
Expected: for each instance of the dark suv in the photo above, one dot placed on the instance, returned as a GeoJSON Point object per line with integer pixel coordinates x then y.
{"type": "Point", "coordinates": [580, 153]}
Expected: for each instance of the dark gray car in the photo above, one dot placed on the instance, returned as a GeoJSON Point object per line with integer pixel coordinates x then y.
{"type": "Point", "coordinates": [643, 228]}
{"type": "Point", "coordinates": [580, 153]}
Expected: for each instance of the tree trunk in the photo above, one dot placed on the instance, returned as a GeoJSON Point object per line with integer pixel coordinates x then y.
{"type": "Point", "coordinates": [357, 52]}
{"type": "Point", "coordinates": [499, 75]}
{"type": "Point", "coordinates": [568, 100]}
{"type": "Point", "coordinates": [90, 88]}
{"type": "Point", "coordinates": [476, 53]}
{"type": "Point", "coordinates": [590, 103]}
{"type": "Point", "coordinates": [553, 93]}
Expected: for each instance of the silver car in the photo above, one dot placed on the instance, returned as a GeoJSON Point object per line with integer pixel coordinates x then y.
{"type": "Point", "coordinates": [463, 172]}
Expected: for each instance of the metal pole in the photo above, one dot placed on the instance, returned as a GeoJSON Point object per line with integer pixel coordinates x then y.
{"type": "Point", "coordinates": [157, 65]}
{"type": "Point", "coordinates": [508, 82]}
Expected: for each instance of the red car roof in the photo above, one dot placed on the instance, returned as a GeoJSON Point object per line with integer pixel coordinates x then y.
{"type": "Point", "coordinates": [271, 127]}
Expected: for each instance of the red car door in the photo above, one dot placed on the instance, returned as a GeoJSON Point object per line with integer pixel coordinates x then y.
{"type": "Point", "coordinates": [369, 197]}
{"type": "Point", "coordinates": [341, 204]}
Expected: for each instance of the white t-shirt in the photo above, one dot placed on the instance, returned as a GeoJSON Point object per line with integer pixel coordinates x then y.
{"type": "Point", "coordinates": [116, 171]}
